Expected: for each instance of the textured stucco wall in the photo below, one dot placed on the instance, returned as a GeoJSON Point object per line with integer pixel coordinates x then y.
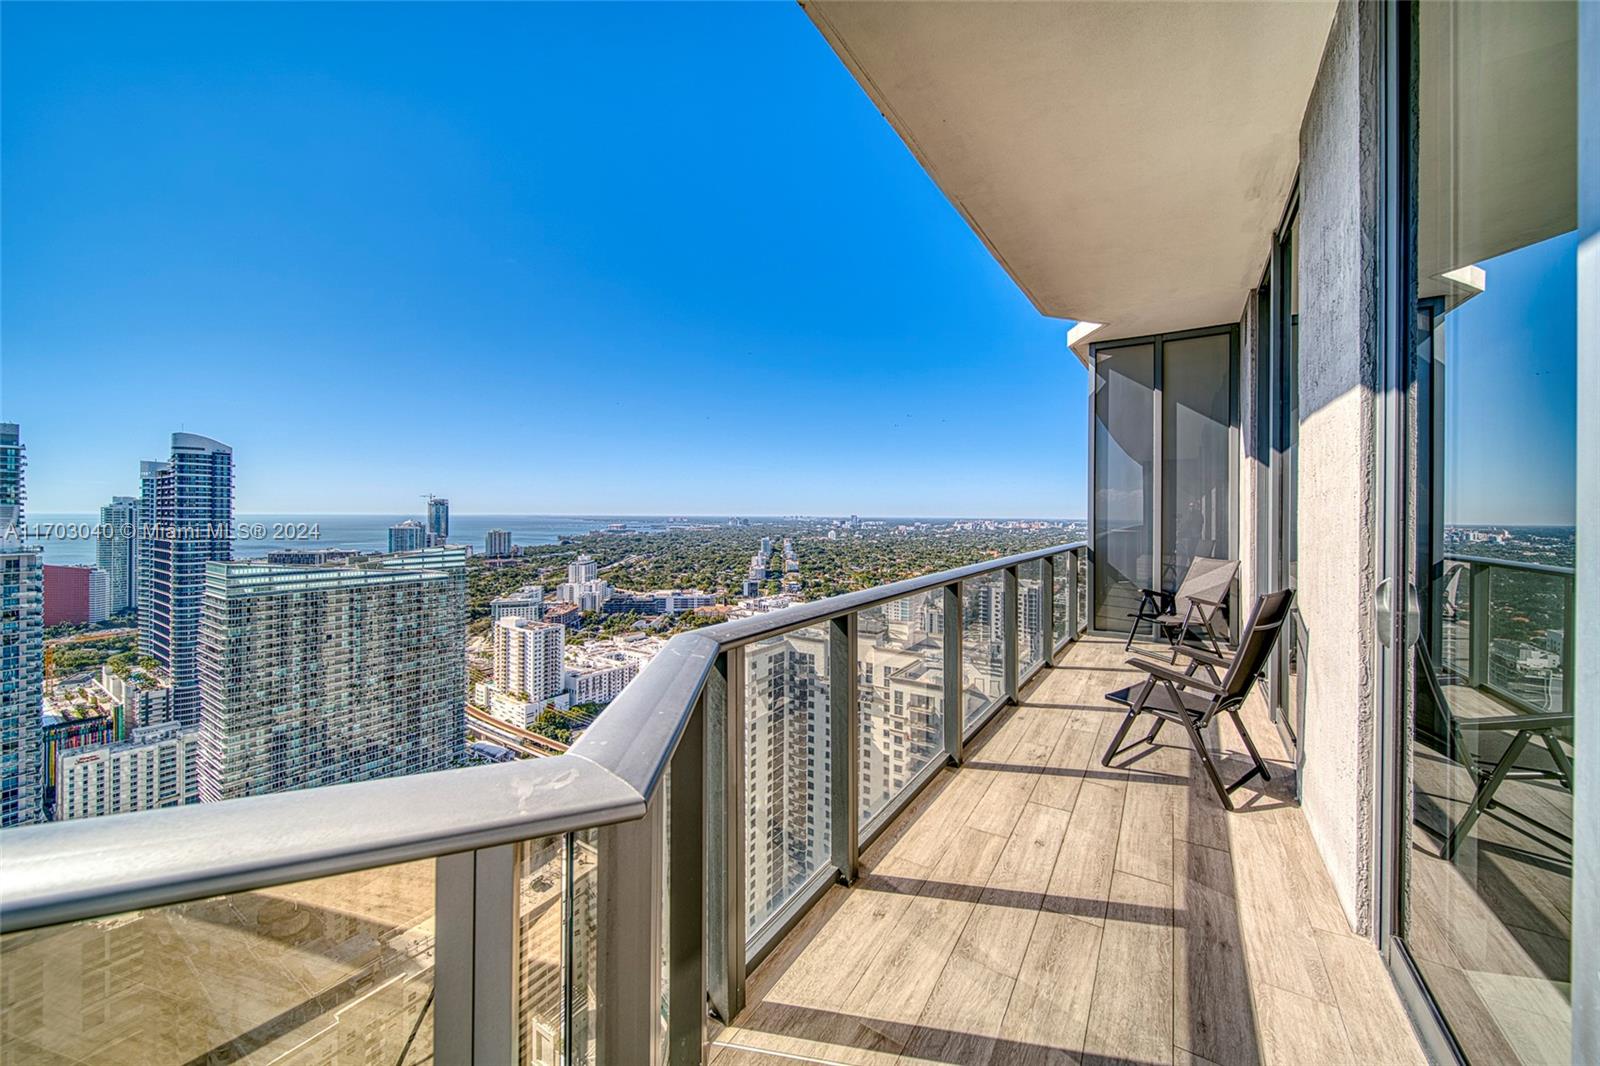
{"type": "Point", "coordinates": [1338, 500]}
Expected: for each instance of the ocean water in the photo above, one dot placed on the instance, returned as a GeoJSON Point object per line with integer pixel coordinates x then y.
{"type": "Point", "coordinates": [68, 538]}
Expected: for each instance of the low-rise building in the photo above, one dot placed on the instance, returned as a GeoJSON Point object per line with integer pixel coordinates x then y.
{"type": "Point", "coordinates": [526, 602]}
{"type": "Point", "coordinates": [157, 766]}
{"type": "Point", "coordinates": [140, 698]}
{"type": "Point", "coordinates": [658, 602]}
{"type": "Point", "coordinates": [311, 556]}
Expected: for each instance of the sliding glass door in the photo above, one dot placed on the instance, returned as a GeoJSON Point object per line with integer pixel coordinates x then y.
{"type": "Point", "coordinates": [1483, 817]}
{"type": "Point", "coordinates": [1164, 455]}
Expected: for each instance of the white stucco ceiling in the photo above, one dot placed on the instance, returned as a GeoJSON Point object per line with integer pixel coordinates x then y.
{"type": "Point", "coordinates": [1125, 162]}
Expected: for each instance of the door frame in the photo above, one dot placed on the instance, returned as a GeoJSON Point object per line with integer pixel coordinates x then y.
{"type": "Point", "coordinates": [1157, 511]}
{"type": "Point", "coordinates": [1397, 415]}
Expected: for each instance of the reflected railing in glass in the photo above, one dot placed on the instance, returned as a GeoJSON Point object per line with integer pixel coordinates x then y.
{"type": "Point", "coordinates": [1030, 616]}
{"type": "Point", "coordinates": [1504, 628]}
{"type": "Point", "coordinates": [900, 686]}
{"type": "Point", "coordinates": [983, 645]}
{"type": "Point", "coordinates": [788, 788]}
{"type": "Point", "coordinates": [1061, 578]}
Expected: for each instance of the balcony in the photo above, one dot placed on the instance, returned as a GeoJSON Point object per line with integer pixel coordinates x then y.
{"type": "Point", "coordinates": [971, 887]}
{"type": "Point", "coordinates": [1033, 905]}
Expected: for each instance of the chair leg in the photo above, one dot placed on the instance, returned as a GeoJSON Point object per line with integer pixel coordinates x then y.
{"type": "Point", "coordinates": [1249, 745]}
{"type": "Point", "coordinates": [1198, 743]}
{"type": "Point", "coordinates": [1558, 756]}
{"type": "Point", "coordinates": [1485, 794]}
{"type": "Point", "coordinates": [1134, 710]}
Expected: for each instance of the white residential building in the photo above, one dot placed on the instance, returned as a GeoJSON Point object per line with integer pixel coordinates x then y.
{"type": "Point", "coordinates": [143, 697]}
{"type": "Point", "coordinates": [583, 585]}
{"type": "Point", "coordinates": [497, 543]}
{"type": "Point", "coordinates": [158, 766]}
{"type": "Point", "coordinates": [527, 669]}
{"type": "Point", "coordinates": [527, 602]}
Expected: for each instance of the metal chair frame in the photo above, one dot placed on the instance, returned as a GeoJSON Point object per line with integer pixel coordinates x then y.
{"type": "Point", "coordinates": [1189, 700]}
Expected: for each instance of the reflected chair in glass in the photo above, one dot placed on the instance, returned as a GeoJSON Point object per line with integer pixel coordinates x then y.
{"type": "Point", "coordinates": [1192, 701]}
{"type": "Point", "coordinates": [1488, 776]}
{"type": "Point", "coordinates": [1196, 607]}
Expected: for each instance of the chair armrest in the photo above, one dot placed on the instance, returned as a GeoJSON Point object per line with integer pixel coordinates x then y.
{"type": "Point", "coordinates": [1163, 672]}
{"type": "Point", "coordinates": [1203, 656]}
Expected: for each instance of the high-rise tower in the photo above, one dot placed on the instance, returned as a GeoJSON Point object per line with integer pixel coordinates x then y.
{"type": "Point", "coordinates": [186, 508]}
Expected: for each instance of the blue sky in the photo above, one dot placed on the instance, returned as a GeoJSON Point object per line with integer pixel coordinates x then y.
{"type": "Point", "coordinates": [536, 258]}
{"type": "Point", "coordinates": [1511, 359]}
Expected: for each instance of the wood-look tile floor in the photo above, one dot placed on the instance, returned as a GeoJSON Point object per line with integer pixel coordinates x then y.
{"type": "Point", "coordinates": [1035, 906]}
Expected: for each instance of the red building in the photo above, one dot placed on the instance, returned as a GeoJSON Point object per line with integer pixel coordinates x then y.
{"type": "Point", "coordinates": [74, 594]}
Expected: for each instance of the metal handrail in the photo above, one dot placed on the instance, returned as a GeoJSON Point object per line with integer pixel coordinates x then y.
{"type": "Point", "coordinates": [1510, 564]}
{"type": "Point", "coordinates": [69, 871]}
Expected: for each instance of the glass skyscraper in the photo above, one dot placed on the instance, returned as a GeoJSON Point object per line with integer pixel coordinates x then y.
{"type": "Point", "coordinates": [187, 509]}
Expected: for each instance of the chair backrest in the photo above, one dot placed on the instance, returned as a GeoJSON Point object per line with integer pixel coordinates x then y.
{"type": "Point", "coordinates": [1260, 637]}
{"type": "Point", "coordinates": [1208, 579]}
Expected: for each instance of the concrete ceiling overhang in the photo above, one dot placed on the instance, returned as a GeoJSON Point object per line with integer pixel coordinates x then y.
{"type": "Point", "coordinates": [1126, 163]}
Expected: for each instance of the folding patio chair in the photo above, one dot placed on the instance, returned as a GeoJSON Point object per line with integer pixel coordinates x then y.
{"type": "Point", "coordinates": [1198, 604]}
{"type": "Point", "coordinates": [1192, 701]}
{"type": "Point", "coordinates": [1487, 777]}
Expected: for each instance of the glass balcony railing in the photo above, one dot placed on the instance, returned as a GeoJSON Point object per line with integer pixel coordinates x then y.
{"type": "Point", "coordinates": [900, 669]}
{"type": "Point", "coordinates": [1030, 617]}
{"type": "Point", "coordinates": [983, 646]}
{"type": "Point", "coordinates": [573, 909]}
{"type": "Point", "coordinates": [1504, 630]}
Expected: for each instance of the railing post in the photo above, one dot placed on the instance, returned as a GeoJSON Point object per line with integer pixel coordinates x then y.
{"type": "Point", "coordinates": [723, 702]}
{"type": "Point", "coordinates": [455, 902]}
{"type": "Point", "coordinates": [1072, 595]}
{"type": "Point", "coordinates": [1008, 627]}
{"type": "Point", "coordinates": [844, 707]}
{"type": "Point", "coordinates": [1047, 607]}
{"type": "Point", "coordinates": [495, 947]}
{"type": "Point", "coordinates": [475, 956]}
{"type": "Point", "coordinates": [686, 987]}
{"type": "Point", "coordinates": [1477, 626]}
{"type": "Point", "coordinates": [954, 711]}
{"type": "Point", "coordinates": [629, 885]}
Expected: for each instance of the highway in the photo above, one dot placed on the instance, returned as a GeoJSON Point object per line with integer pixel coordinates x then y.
{"type": "Point", "coordinates": [481, 726]}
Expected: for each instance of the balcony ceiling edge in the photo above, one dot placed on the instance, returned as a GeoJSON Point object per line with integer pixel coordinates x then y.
{"type": "Point", "coordinates": [1125, 163]}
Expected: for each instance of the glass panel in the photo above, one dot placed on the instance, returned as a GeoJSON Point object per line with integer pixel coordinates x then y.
{"type": "Point", "coordinates": [584, 910]}
{"type": "Point", "coordinates": [788, 791]}
{"type": "Point", "coordinates": [1196, 475]}
{"type": "Point", "coordinates": [1030, 617]}
{"type": "Point", "coordinates": [1486, 899]}
{"type": "Point", "coordinates": [1058, 598]}
{"type": "Point", "coordinates": [1083, 591]}
{"type": "Point", "coordinates": [541, 878]}
{"type": "Point", "coordinates": [336, 969]}
{"type": "Point", "coordinates": [1123, 473]}
{"type": "Point", "coordinates": [983, 645]}
{"type": "Point", "coordinates": [900, 662]}
{"type": "Point", "coordinates": [1287, 703]}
